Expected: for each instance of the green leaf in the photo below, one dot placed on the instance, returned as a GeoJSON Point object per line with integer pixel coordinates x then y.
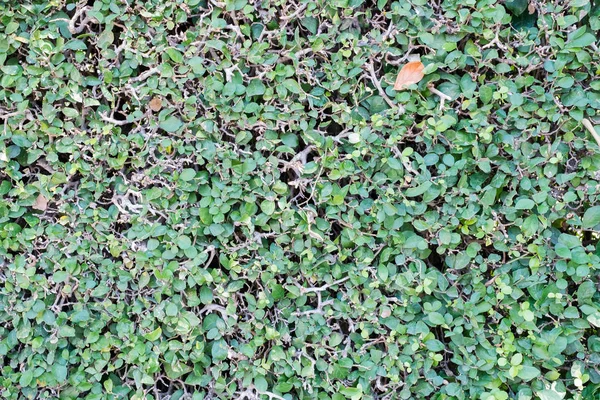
{"type": "Point", "coordinates": [183, 242]}
{"type": "Point", "coordinates": [206, 295]}
{"type": "Point", "coordinates": [517, 7]}
{"type": "Point", "coordinates": [352, 393]}
{"type": "Point", "coordinates": [580, 38]}
{"type": "Point", "coordinates": [174, 55]}
{"type": "Point", "coordinates": [219, 350]}
{"type": "Point", "coordinates": [26, 378]}
{"type": "Point", "coordinates": [550, 395]}
{"type": "Point", "coordinates": [419, 190]}
{"type": "Point", "coordinates": [171, 310]}
{"type": "Point", "coordinates": [528, 373]}
{"type": "Point", "coordinates": [292, 86]}
{"type": "Point", "coordinates": [187, 174]}
{"type": "Point", "coordinates": [594, 319]}
{"type": "Point", "coordinates": [434, 345]}
{"type": "Point", "coordinates": [80, 316]}
{"type": "Point", "coordinates": [525, 204]}
{"type": "Point", "coordinates": [591, 217]}
{"type": "Point", "coordinates": [255, 88]}
{"type": "Point", "coordinates": [261, 384]}
{"type": "Point", "coordinates": [154, 335]}
{"type": "Point", "coordinates": [268, 207]}
{"type": "Point", "coordinates": [60, 372]}
{"type": "Point", "coordinates": [436, 318]}
{"type": "Point", "coordinates": [171, 124]}
{"type": "Point", "coordinates": [66, 331]}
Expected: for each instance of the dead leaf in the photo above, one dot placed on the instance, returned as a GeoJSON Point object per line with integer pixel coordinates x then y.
{"type": "Point", "coordinates": [155, 104]}
{"type": "Point", "coordinates": [41, 203]}
{"type": "Point", "coordinates": [411, 73]}
{"type": "Point", "coordinates": [531, 8]}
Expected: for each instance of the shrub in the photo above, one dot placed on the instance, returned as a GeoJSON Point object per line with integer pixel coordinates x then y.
{"type": "Point", "coordinates": [206, 199]}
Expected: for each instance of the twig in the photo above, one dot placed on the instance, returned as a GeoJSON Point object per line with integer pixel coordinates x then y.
{"type": "Point", "coordinates": [492, 280]}
{"type": "Point", "coordinates": [586, 122]}
{"type": "Point", "coordinates": [215, 307]}
{"type": "Point", "coordinates": [113, 121]}
{"type": "Point", "coordinates": [256, 239]}
{"type": "Point", "coordinates": [304, 290]}
{"type": "Point", "coordinates": [270, 394]}
{"type": "Point", "coordinates": [298, 161]}
{"type": "Point", "coordinates": [144, 75]}
{"type": "Point", "coordinates": [210, 249]}
{"type": "Point", "coordinates": [72, 28]}
{"type": "Point", "coordinates": [442, 96]}
{"type": "Point", "coordinates": [295, 13]}
{"type": "Point", "coordinates": [9, 115]}
{"type": "Point", "coordinates": [288, 54]}
{"type": "Point", "coordinates": [318, 310]}
{"type": "Point", "coordinates": [375, 81]}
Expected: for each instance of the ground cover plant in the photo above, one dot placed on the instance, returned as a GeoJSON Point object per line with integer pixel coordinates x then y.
{"type": "Point", "coordinates": [209, 199]}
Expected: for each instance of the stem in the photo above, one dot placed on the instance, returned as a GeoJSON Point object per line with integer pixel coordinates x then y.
{"type": "Point", "coordinates": [442, 96]}
{"type": "Point", "coordinates": [586, 122]}
{"type": "Point", "coordinates": [375, 81]}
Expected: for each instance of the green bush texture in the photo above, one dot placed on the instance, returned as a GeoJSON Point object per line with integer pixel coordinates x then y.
{"type": "Point", "coordinates": [207, 199]}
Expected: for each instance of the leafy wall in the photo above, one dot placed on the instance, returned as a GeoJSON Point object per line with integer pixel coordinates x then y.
{"type": "Point", "coordinates": [205, 199]}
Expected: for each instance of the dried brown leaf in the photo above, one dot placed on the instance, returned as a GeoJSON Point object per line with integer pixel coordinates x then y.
{"type": "Point", "coordinates": [155, 104]}
{"type": "Point", "coordinates": [410, 73]}
{"type": "Point", "coordinates": [41, 203]}
{"type": "Point", "coordinates": [531, 8]}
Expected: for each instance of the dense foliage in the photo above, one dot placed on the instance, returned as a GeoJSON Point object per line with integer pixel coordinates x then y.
{"type": "Point", "coordinates": [205, 199]}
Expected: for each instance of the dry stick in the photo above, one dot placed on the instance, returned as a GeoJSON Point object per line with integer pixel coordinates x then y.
{"type": "Point", "coordinates": [586, 122]}
{"type": "Point", "coordinates": [375, 81]}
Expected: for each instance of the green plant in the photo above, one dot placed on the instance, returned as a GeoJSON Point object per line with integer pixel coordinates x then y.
{"type": "Point", "coordinates": [227, 199]}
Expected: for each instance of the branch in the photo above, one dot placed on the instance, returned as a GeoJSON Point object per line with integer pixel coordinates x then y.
{"type": "Point", "coordinates": [215, 307]}
{"type": "Point", "coordinates": [144, 75]}
{"type": "Point", "coordinates": [113, 121]}
{"type": "Point", "coordinates": [72, 28]}
{"type": "Point", "coordinates": [442, 96]}
{"type": "Point", "coordinates": [295, 13]}
{"type": "Point", "coordinates": [300, 53]}
{"type": "Point", "coordinates": [375, 81]}
{"type": "Point", "coordinates": [318, 310]}
{"type": "Point", "coordinates": [304, 290]}
{"type": "Point", "coordinates": [12, 114]}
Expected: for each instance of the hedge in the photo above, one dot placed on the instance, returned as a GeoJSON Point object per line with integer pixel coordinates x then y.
{"type": "Point", "coordinates": [207, 199]}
